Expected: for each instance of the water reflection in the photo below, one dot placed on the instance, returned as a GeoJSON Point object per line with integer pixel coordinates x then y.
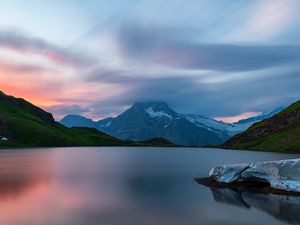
{"type": "Point", "coordinates": [21, 173]}
{"type": "Point", "coordinates": [115, 186]}
{"type": "Point", "coordinates": [283, 208]}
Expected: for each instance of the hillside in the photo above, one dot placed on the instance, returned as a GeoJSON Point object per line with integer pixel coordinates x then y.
{"type": "Point", "coordinates": [280, 133]}
{"type": "Point", "coordinates": [25, 125]}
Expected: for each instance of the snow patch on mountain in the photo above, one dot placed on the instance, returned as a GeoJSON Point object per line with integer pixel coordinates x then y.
{"type": "Point", "coordinates": [229, 128]}
{"type": "Point", "coordinates": [154, 114]}
{"type": "Point", "coordinates": [217, 126]}
{"type": "Point", "coordinates": [202, 121]}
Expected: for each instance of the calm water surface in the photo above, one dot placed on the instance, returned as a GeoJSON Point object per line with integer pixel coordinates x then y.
{"type": "Point", "coordinates": [131, 186]}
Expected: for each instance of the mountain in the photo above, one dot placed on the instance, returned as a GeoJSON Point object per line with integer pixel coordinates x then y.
{"type": "Point", "coordinates": [225, 130]}
{"type": "Point", "coordinates": [150, 120]}
{"type": "Point", "coordinates": [230, 129]}
{"type": "Point", "coordinates": [155, 119]}
{"type": "Point", "coordinates": [80, 121]}
{"type": "Point", "coordinates": [279, 133]}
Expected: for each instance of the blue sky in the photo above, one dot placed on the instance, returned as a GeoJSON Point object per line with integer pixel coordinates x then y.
{"type": "Point", "coordinates": [223, 59]}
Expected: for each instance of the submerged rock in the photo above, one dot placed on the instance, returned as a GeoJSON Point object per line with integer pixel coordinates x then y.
{"type": "Point", "coordinates": [278, 175]}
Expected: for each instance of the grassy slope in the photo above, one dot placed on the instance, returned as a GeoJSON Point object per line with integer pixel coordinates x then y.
{"type": "Point", "coordinates": [283, 138]}
{"type": "Point", "coordinates": [28, 126]}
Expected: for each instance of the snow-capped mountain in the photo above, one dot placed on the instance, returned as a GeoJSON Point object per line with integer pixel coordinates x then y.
{"type": "Point", "coordinates": [224, 130]}
{"type": "Point", "coordinates": [155, 119]}
{"type": "Point", "coordinates": [148, 120]}
{"type": "Point", "coordinates": [221, 128]}
{"type": "Point", "coordinates": [230, 129]}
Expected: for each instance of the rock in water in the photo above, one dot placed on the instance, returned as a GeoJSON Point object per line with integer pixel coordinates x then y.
{"type": "Point", "coordinates": [279, 175]}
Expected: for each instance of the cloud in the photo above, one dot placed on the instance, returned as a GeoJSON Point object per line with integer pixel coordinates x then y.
{"type": "Point", "coordinates": [173, 48]}
{"type": "Point", "coordinates": [266, 20]}
{"type": "Point", "coordinates": [21, 68]}
{"type": "Point", "coordinates": [26, 44]}
{"type": "Point", "coordinates": [255, 92]}
{"type": "Point", "coordinates": [216, 58]}
{"type": "Point", "coordinates": [36, 83]}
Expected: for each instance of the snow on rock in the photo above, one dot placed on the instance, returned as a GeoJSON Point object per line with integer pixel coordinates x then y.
{"type": "Point", "coordinates": [282, 174]}
{"type": "Point", "coordinates": [3, 138]}
{"type": "Point", "coordinates": [154, 114]}
{"type": "Point", "coordinates": [214, 125]}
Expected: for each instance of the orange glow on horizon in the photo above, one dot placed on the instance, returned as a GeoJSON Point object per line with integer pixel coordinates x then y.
{"type": "Point", "coordinates": [232, 119]}
{"type": "Point", "coordinates": [39, 100]}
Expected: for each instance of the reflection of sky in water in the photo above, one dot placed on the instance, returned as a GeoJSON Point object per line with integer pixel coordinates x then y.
{"type": "Point", "coordinates": [119, 186]}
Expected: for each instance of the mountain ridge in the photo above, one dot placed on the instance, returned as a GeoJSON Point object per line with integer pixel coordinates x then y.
{"type": "Point", "coordinates": [146, 120]}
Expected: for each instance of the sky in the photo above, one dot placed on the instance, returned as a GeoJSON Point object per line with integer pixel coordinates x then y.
{"type": "Point", "coordinates": [222, 59]}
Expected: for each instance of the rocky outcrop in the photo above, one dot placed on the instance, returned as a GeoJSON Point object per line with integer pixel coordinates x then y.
{"type": "Point", "coordinates": [283, 175]}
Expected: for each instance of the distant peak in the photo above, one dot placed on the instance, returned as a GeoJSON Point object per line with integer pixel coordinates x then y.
{"type": "Point", "coordinates": [74, 116]}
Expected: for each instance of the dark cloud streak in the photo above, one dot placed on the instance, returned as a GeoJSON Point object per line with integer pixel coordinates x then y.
{"type": "Point", "coordinates": [175, 48]}
{"type": "Point", "coordinates": [190, 94]}
{"type": "Point", "coordinates": [26, 44]}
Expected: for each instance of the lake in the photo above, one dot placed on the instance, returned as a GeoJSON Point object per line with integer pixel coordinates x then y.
{"type": "Point", "coordinates": [131, 186]}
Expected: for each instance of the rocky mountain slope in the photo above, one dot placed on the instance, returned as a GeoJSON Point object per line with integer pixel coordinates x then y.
{"type": "Point", "coordinates": [155, 119]}
{"type": "Point", "coordinates": [150, 120]}
{"type": "Point", "coordinates": [279, 133]}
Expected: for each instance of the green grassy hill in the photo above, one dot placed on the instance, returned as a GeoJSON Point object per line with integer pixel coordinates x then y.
{"type": "Point", "coordinates": [280, 133]}
{"type": "Point", "coordinates": [26, 125]}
